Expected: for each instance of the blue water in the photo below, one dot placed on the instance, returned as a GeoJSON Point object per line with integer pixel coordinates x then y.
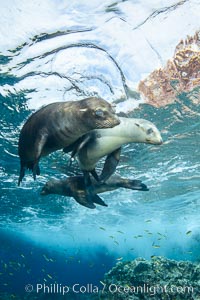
{"type": "Point", "coordinates": [68, 55]}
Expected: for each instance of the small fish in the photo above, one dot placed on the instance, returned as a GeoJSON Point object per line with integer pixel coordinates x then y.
{"type": "Point", "coordinates": [153, 256]}
{"type": "Point", "coordinates": [102, 228]}
{"type": "Point", "coordinates": [148, 221]}
{"type": "Point", "coordinates": [116, 242]}
{"type": "Point", "coordinates": [111, 236]}
{"type": "Point", "coordinates": [51, 260]}
{"type": "Point", "coordinates": [11, 274]}
{"type": "Point", "coordinates": [49, 276]}
{"type": "Point", "coordinates": [119, 258]}
{"type": "Point", "coordinates": [156, 246]}
{"type": "Point", "coordinates": [188, 232]}
{"type": "Point", "coordinates": [46, 258]}
{"type": "Point", "coordinates": [22, 255]}
{"type": "Point", "coordinates": [120, 231]}
{"type": "Point", "coordinates": [162, 235]}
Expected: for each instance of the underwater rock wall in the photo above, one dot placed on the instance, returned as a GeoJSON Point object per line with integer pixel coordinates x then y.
{"type": "Point", "coordinates": [159, 278]}
{"type": "Point", "coordinates": [181, 74]}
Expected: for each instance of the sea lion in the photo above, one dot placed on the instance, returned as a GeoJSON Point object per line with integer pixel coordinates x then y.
{"type": "Point", "coordinates": [101, 142]}
{"type": "Point", "coordinates": [57, 126]}
{"type": "Point", "coordinates": [75, 187]}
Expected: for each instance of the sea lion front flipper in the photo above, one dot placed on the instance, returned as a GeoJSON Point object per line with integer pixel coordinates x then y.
{"type": "Point", "coordinates": [77, 146]}
{"type": "Point", "coordinates": [22, 173]}
{"type": "Point", "coordinates": [98, 200]}
{"type": "Point", "coordinates": [81, 198]}
{"type": "Point", "coordinates": [133, 184]}
{"type": "Point", "coordinates": [110, 164]}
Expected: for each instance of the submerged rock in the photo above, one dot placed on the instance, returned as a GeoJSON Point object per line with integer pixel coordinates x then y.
{"type": "Point", "coordinates": [181, 74]}
{"type": "Point", "coordinates": [159, 278]}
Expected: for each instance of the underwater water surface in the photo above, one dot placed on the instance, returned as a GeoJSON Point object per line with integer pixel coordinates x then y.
{"type": "Point", "coordinates": [59, 51]}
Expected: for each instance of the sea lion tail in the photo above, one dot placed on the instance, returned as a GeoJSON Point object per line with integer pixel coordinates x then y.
{"type": "Point", "coordinates": [133, 185]}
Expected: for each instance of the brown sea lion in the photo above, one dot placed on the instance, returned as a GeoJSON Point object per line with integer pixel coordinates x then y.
{"type": "Point", "coordinates": [75, 187]}
{"type": "Point", "coordinates": [101, 142]}
{"type": "Point", "coordinates": [57, 126]}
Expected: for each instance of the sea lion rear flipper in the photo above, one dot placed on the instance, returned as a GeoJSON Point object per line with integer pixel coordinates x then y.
{"type": "Point", "coordinates": [110, 164]}
{"type": "Point", "coordinates": [22, 173]}
{"type": "Point", "coordinates": [36, 169]}
{"type": "Point", "coordinates": [39, 144]}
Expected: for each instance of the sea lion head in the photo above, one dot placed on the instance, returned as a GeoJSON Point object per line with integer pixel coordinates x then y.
{"type": "Point", "coordinates": [148, 132]}
{"type": "Point", "coordinates": [98, 113]}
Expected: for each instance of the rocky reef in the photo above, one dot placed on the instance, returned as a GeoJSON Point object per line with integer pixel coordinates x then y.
{"type": "Point", "coordinates": [181, 74]}
{"type": "Point", "coordinates": [159, 278]}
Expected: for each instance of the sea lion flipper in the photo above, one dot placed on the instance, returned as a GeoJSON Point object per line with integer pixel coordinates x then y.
{"type": "Point", "coordinates": [36, 169]}
{"type": "Point", "coordinates": [98, 200]}
{"type": "Point", "coordinates": [110, 164]}
{"type": "Point", "coordinates": [82, 199]}
{"type": "Point", "coordinates": [95, 175]}
{"type": "Point", "coordinates": [22, 173]}
{"type": "Point", "coordinates": [133, 184]}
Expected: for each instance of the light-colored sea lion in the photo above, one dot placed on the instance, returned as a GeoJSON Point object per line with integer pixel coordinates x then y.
{"type": "Point", "coordinates": [101, 142]}
{"type": "Point", "coordinates": [57, 126]}
{"type": "Point", "coordinates": [75, 187]}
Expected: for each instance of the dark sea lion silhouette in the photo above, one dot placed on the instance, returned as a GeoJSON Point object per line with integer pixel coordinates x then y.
{"type": "Point", "coordinates": [75, 187]}
{"type": "Point", "coordinates": [57, 126]}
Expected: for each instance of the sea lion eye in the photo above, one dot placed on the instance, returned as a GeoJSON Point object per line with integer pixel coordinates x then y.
{"type": "Point", "coordinates": [137, 125]}
{"type": "Point", "coordinates": [149, 131]}
{"type": "Point", "coordinates": [99, 113]}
